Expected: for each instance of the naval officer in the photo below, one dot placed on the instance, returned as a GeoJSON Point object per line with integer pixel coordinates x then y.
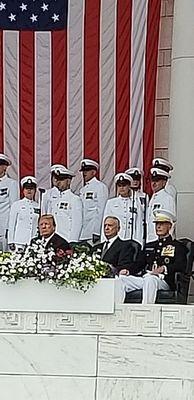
{"type": "Point", "coordinates": [50, 194]}
{"type": "Point", "coordinates": [163, 164]}
{"type": "Point", "coordinates": [9, 192]}
{"type": "Point", "coordinates": [94, 195]}
{"type": "Point", "coordinates": [24, 214]}
{"type": "Point", "coordinates": [126, 208]}
{"type": "Point", "coordinates": [65, 206]}
{"type": "Point", "coordinates": [141, 197]}
{"type": "Point", "coordinates": [160, 199]}
{"type": "Point", "coordinates": [159, 261]}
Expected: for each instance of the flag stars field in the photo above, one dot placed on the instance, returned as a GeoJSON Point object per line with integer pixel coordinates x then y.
{"type": "Point", "coordinates": [12, 17]}
{"type": "Point", "coordinates": [2, 6]}
{"type": "Point", "coordinates": [44, 7]}
{"type": "Point", "coordinates": [34, 18]}
{"type": "Point", "coordinates": [23, 7]}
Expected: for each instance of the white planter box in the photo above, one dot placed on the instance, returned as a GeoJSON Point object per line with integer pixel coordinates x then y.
{"type": "Point", "coordinates": [30, 295]}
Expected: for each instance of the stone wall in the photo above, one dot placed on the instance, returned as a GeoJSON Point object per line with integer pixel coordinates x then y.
{"type": "Point", "coordinates": [136, 353]}
{"type": "Point", "coordinates": [163, 79]}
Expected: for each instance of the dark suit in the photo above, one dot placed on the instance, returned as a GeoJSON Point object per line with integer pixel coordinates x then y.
{"type": "Point", "coordinates": [120, 255]}
{"type": "Point", "coordinates": [168, 252]}
{"type": "Point", "coordinates": [56, 241]}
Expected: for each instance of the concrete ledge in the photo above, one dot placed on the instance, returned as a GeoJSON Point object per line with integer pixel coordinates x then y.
{"type": "Point", "coordinates": [30, 295]}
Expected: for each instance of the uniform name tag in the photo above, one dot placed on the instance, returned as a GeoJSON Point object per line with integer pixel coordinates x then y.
{"type": "Point", "coordinates": [36, 211]}
{"type": "Point", "coordinates": [89, 195]}
{"type": "Point", "coordinates": [142, 200]}
{"type": "Point", "coordinates": [133, 210]}
{"type": "Point", "coordinates": [63, 206]}
{"type": "Point", "coordinates": [156, 206]}
{"type": "Point", "coordinates": [3, 191]}
{"type": "Point", "coordinates": [168, 251]}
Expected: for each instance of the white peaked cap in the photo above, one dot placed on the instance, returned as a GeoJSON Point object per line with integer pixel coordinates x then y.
{"type": "Point", "coordinates": [87, 162]}
{"type": "Point", "coordinates": [161, 215]}
{"type": "Point", "coordinates": [161, 162]}
{"type": "Point", "coordinates": [60, 169]}
{"type": "Point", "coordinates": [159, 172]}
{"type": "Point", "coordinates": [5, 158]}
{"type": "Point", "coordinates": [28, 179]}
{"type": "Point", "coordinates": [134, 171]}
{"type": "Point", "coordinates": [122, 176]}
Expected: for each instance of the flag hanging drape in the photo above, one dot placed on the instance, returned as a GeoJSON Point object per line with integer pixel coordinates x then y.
{"type": "Point", "coordinates": [78, 79]}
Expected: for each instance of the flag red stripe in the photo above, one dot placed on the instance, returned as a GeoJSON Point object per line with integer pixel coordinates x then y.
{"type": "Point", "coordinates": [59, 97]}
{"type": "Point", "coordinates": [26, 103]}
{"type": "Point", "coordinates": [123, 62]}
{"type": "Point", "coordinates": [153, 23]}
{"type": "Point", "coordinates": [1, 91]}
{"type": "Point", "coordinates": [91, 78]}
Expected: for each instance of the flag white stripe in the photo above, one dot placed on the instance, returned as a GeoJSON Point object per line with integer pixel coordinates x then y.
{"type": "Point", "coordinates": [75, 88]}
{"type": "Point", "coordinates": [11, 100]}
{"type": "Point", "coordinates": [43, 108]}
{"type": "Point", "coordinates": [107, 90]}
{"type": "Point", "coordinates": [138, 47]}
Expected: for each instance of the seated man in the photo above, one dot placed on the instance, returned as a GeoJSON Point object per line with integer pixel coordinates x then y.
{"type": "Point", "coordinates": [160, 260]}
{"type": "Point", "coordinates": [47, 228]}
{"type": "Point", "coordinates": [115, 251]}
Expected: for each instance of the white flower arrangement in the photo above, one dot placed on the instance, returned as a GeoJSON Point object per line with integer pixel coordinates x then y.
{"type": "Point", "coordinates": [77, 269]}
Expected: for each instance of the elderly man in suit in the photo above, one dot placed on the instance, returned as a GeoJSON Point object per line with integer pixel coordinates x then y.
{"type": "Point", "coordinates": [115, 251]}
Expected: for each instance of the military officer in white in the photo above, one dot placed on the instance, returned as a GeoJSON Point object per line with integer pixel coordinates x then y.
{"type": "Point", "coordinates": [94, 195]}
{"type": "Point", "coordinates": [52, 193]}
{"type": "Point", "coordinates": [163, 164]}
{"type": "Point", "coordinates": [158, 262]}
{"type": "Point", "coordinates": [9, 192]}
{"type": "Point", "coordinates": [126, 208]}
{"type": "Point", "coordinates": [66, 207]}
{"type": "Point", "coordinates": [160, 199]}
{"type": "Point", "coordinates": [142, 197]}
{"type": "Point", "coordinates": [24, 214]}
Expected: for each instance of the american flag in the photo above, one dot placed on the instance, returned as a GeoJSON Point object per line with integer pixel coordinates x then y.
{"type": "Point", "coordinates": [78, 79]}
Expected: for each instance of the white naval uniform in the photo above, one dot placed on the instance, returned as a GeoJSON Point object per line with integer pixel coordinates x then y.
{"type": "Point", "coordinates": [143, 200]}
{"type": "Point", "coordinates": [121, 207]}
{"type": "Point", "coordinates": [23, 222]}
{"type": "Point", "coordinates": [159, 200]}
{"type": "Point", "coordinates": [171, 190]}
{"type": "Point", "coordinates": [48, 197]}
{"type": "Point", "coordinates": [149, 284]}
{"type": "Point", "coordinates": [94, 196]}
{"type": "Point", "coordinates": [9, 192]}
{"type": "Point", "coordinates": [142, 197]}
{"type": "Point", "coordinates": [66, 207]}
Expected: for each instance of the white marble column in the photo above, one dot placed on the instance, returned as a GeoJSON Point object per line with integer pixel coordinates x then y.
{"type": "Point", "coordinates": [181, 135]}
